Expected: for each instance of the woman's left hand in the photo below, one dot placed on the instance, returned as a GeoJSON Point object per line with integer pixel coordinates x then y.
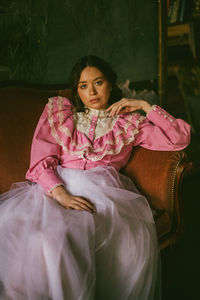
{"type": "Point", "coordinates": [128, 105]}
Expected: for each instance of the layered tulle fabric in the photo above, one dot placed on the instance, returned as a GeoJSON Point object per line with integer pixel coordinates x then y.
{"type": "Point", "coordinates": [47, 252]}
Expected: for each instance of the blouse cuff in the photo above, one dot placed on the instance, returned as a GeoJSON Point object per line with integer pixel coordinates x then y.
{"type": "Point", "coordinates": [55, 186]}
{"type": "Point", "coordinates": [158, 116]}
{"type": "Point", "coordinates": [49, 179]}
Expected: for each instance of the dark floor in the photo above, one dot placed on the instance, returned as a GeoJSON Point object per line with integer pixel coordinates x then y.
{"type": "Point", "coordinates": [181, 264]}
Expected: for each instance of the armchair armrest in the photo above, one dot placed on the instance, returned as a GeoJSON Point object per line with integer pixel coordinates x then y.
{"type": "Point", "coordinates": [158, 176]}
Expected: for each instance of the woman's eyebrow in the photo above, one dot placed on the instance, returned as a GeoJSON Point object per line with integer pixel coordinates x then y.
{"type": "Point", "coordinates": [100, 77]}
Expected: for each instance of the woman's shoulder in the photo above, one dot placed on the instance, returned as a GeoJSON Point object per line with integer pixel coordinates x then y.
{"type": "Point", "coordinates": [60, 112]}
{"type": "Point", "coordinates": [59, 102]}
{"type": "Point", "coordinates": [59, 106]}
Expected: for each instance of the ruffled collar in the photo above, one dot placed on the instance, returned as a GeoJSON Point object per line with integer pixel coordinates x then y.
{"type": "Point", "coordinates": [110, 140]}
{"type": "Point", "coordinates": [100, 113]}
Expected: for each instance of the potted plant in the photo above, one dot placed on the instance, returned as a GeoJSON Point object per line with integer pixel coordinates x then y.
{"type": "Point", "coordinates": [189, 85]}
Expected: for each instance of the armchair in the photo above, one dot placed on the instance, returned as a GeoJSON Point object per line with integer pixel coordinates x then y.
{"type": "Point", "coordinates": [157, 174]}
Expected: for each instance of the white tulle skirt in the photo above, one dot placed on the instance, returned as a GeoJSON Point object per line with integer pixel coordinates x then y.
{"type": "Point", "coordinates": [50, 253]}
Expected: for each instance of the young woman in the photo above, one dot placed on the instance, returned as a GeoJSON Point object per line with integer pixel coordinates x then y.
{"type": "Point", "coordinates": [83, 231]}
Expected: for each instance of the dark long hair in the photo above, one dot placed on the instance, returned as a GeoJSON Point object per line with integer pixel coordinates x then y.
{"type": "Point", "coordinates": [104, 67]}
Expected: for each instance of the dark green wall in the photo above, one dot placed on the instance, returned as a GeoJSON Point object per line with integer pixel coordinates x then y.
{"type": "Point", "coordinates": [41, 40]}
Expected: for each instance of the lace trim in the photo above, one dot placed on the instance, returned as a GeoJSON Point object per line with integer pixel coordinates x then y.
{"type": "Point", "coordinates": [140, 120]}
{"type": "Point", "coordinates": [103, 125]}
{"type": "Point", "coordinates": [51, 123]}
{"type": "Point", "coordinates": [62, 128]}
{"type": "Point", "coordinates": [82, 124]}
{"type": "Point", "coordinates": [109, 152]}
{"type": "Point", "coordinates": [87, 150]}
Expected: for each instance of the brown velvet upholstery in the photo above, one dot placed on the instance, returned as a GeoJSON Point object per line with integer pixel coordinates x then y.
{"type": "Point", "coordinates": [158, 175]}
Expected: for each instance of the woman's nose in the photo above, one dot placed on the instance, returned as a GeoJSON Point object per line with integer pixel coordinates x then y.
{"type": "Point", "coordinates": [93, 90]}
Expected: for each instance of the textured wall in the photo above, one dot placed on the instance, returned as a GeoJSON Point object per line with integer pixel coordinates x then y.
{"type": "Point", "coordinates": [41, 40]}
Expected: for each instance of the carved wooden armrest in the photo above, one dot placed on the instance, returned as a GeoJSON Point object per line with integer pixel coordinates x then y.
{"type": "Point", "coordinates": [158, 176]}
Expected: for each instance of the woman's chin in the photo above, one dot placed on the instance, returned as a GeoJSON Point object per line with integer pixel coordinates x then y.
{"type": "Point", "coordinates": [97, 105]}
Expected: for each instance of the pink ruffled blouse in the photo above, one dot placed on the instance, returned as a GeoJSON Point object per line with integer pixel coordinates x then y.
{"type": "Point", "coordinates": [84, 140]}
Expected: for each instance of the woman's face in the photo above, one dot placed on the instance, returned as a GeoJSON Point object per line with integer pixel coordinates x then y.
{"type": "Point", "coordinates": [94, 88]}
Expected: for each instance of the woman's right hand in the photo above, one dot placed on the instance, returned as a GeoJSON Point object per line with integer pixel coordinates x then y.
{"type": "Point", "coordinates": [69, 201]}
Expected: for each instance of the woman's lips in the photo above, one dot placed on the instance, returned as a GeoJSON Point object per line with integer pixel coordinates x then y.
{"type": "Point", "coordinates": [94, 100]}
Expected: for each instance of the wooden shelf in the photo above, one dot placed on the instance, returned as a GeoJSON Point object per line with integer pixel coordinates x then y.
{"type": "Point", "coordinates": [178, 30]}
{"type": "Point", "coordinates": [182, 34]}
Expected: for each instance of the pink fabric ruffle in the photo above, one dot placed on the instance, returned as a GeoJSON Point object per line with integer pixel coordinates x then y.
{"type": "Point", "coordinates": [61, 121]}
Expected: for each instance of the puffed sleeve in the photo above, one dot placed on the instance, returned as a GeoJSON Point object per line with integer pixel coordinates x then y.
{"type": "Point", "coordinates": [161, 131]}
{"type": "Point", "coordinates": [45, 156]}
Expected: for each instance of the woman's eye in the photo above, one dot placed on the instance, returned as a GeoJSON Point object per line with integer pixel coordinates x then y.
{"type": "Point", "coordinates": [99, 82]}
{"type": "Point", "coordinates": [83, 86]}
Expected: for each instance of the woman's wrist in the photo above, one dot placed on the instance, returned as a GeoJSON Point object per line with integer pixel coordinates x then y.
{"type": "Point", "coordinates": [146, 107]}
{"type": "Point", "coordinates": [59, 192]}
